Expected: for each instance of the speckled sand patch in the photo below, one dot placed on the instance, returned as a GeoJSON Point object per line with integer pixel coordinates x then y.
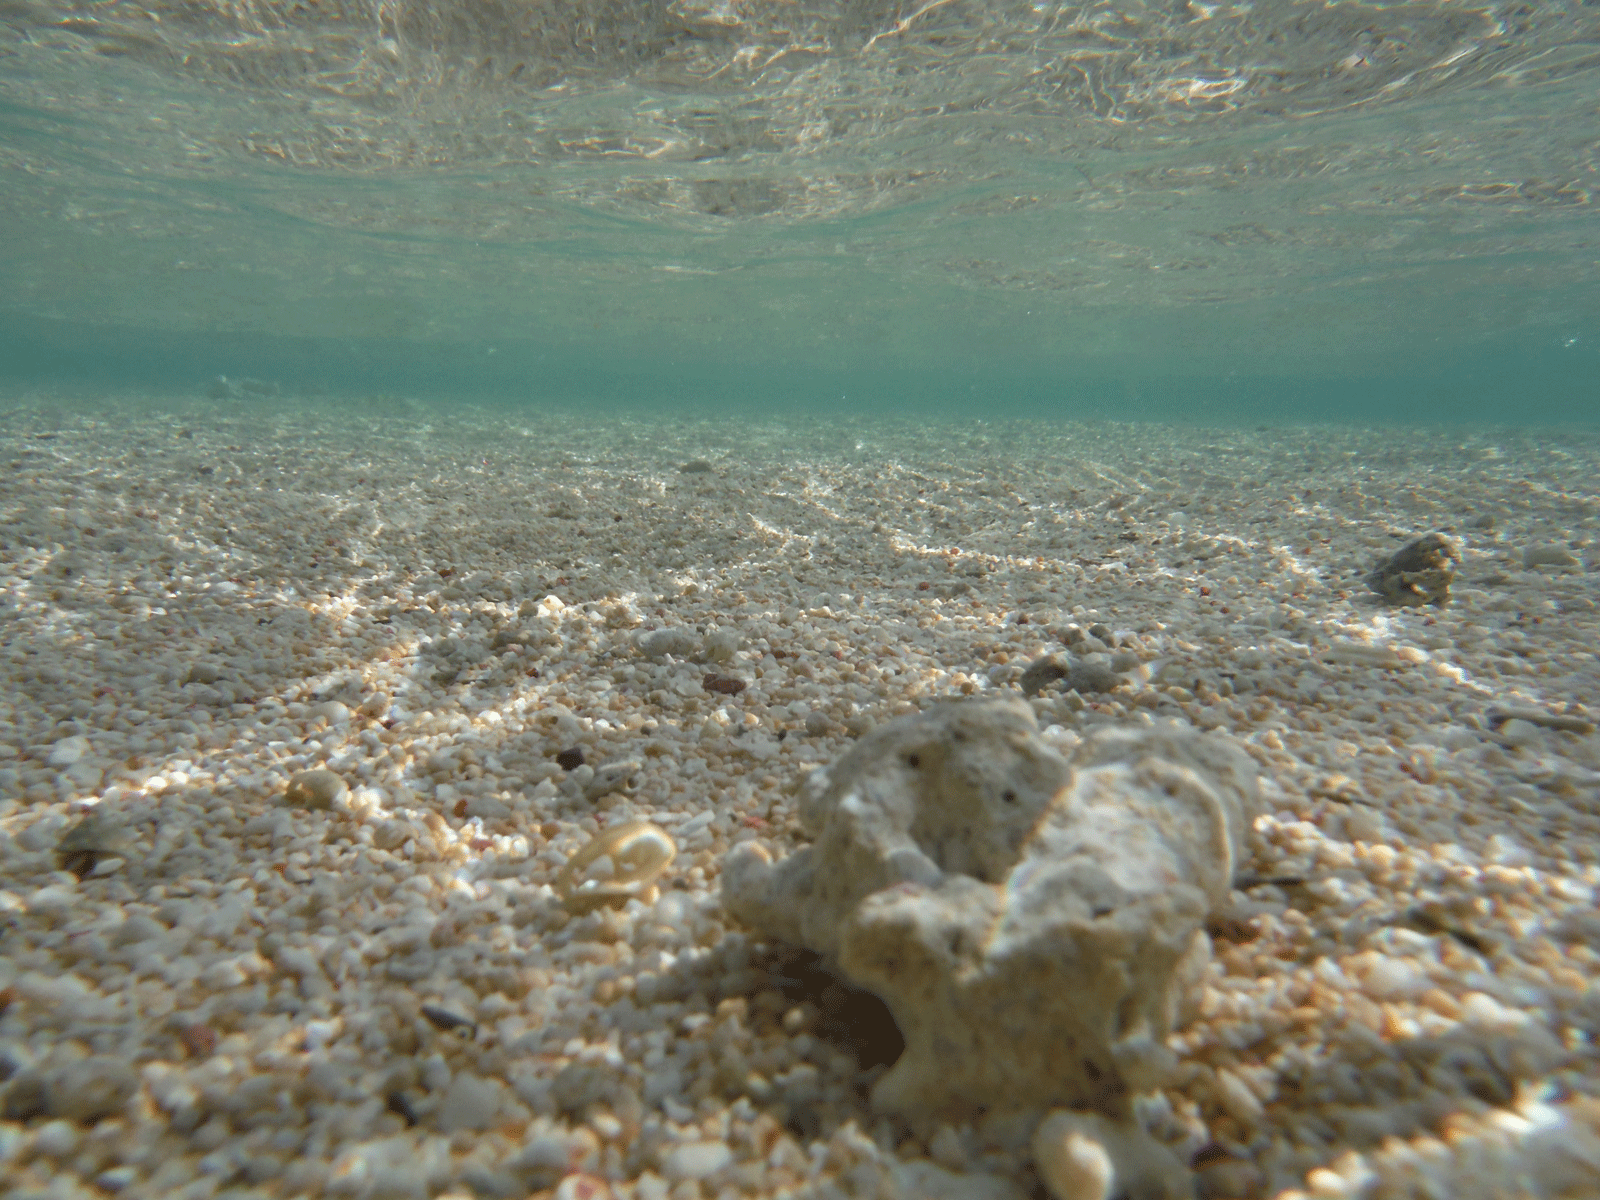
{"type": "Point", "coordinates": [378, 990]}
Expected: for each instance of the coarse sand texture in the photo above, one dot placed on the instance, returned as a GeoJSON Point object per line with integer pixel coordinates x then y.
{"type": "Point", "coordinates": [475, 804]}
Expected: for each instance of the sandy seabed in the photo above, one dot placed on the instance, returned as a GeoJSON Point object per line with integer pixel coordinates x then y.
{"type": "Point", "coordinates": [210, 991]}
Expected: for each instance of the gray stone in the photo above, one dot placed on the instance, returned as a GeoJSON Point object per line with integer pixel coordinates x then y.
{"type": "Point", "coordinates": [659, 643]}
{"type": "Point", "coordinates": [545, 1158]}
{"type": "Point", "coordinates": [314, 789]}
{"type": "Point", "coordinates": [1081, 674]}
{"type": "Point", "coordinates": [578, 1085]}
{"type": "Point", "coordinates": [1551, 555]}
{"type": "Point", "coordinates": [1418, 573]}
{"type": "Point", "coordinates": [721, 646]}
{"type": "Point", "coordinates": [612, 777]}
{"type": "Point", "coordinates": [471, 1103]}
{"type": "Point", "coordinates": [1091, 675]}
{"type": "Point", "coordinates": [1042, 672]}
{"type": "Point", "coordinates": [98, 835]}
{"type": "Point", "coordinates": [96, 1087]}
{"type": "Point", "coordinates": [695, 1160]}
{"type": "Point", "coordinates": [488, 807]}
{"type": "Point", "coordinates": [68, 751]}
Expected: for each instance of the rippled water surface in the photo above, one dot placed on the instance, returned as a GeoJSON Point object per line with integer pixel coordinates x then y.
{"type": "Point", "coordinates": [1309, 209]}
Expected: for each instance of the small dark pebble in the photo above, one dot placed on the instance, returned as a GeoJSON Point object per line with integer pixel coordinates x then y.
{"type": "Point", "coordinates": [1232, 929]}
{"type": "Point", "coordinates": [570, 760]}
{"type": "Point", "coordinates": [726, 684]}
{"type": "Point", "coordinates": [80, 862]}
{"type": "Point", "coordinates": [443, 1018]}
{"type": "Point", "coordinates": [1211, 1152]}
{"type": "Point", "coordinates": [401, 1107]}
{"type": "Point", "coordinates": [1245, 882]}
{"type": "Point", "coordinates": [25, 1098]}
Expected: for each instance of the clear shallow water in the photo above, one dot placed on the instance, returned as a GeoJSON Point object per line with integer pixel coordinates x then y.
{"type": "Point", "coordinates": [1272, 211]}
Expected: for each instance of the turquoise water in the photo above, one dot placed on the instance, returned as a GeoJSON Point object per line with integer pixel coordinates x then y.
{"type": "Point", "coordinates": [1268, 212]}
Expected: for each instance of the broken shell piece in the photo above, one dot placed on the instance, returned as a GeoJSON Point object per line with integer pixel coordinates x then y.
{"type": "Point", "coordinates": [444, 1019]}
{"type": "Point", "coordinates": [613, 777]}
{"type": "Point", "coordinates": [721, 645]}
{"type": "Point", "coordinates": [659, 643]}
{"type": "Point", "coordinates": [1084, 1156]}
{"type": "Point", "coordinates": [319, 788]}
{"type": "Point", "coordinates": [98, 836]}
{"type": "Point", "coordinates": [639, 852]}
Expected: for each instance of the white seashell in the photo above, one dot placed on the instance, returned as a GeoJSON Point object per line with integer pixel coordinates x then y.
{"type": "Point", "coordinates": [639, 852]}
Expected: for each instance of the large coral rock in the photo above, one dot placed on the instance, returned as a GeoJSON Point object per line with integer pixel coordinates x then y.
{"type": "Point", "coordinates": [1033, 923]}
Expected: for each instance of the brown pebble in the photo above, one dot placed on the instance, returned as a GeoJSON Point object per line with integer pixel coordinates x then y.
{"type": "Point", "coordinates": [25, 1097]}
{"type": "Point", "coordinates": [570, 760]}
{"type": "Point", "coordinates": [199, 1040]}
{"type": "Point", "coordinates": [726, 684]}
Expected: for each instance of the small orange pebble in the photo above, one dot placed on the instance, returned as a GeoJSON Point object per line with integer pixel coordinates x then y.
{"type": "Point", "coordinates": [461, 807]}
{"type": "Point", "coordinates": [1441, 1002]}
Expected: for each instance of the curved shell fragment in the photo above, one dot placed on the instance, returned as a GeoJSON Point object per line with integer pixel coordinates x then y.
{"type": "Point", "coordinates": [639, 852]}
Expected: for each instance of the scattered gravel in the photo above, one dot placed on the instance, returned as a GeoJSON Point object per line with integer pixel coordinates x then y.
{"type": "Point", "coordinates": [307, 712]}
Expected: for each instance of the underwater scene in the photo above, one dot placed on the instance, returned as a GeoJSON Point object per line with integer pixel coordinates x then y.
{"type": "Point", "coordinates": [855, 600]}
